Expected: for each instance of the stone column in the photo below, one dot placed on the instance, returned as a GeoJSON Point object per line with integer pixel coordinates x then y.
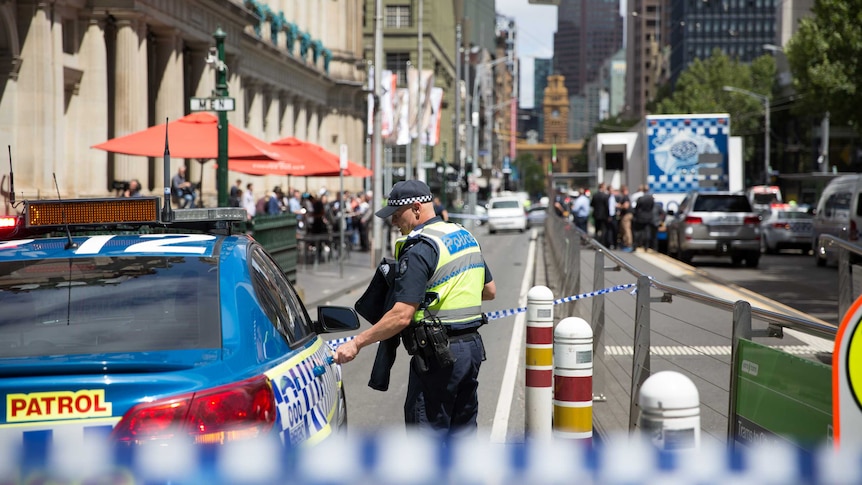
{"type": "Point", "coordinates": [314, 123]}
{"type": "Point", "coordinates": [92, 124]}
{"type": "Point", "coordinates": [202, 75]}
{"type": "Point", "coordinates": [254, 110]}
{"type": "Point", "coordinates": [301, 124]}
{"type": "Point", "coordinates": [272, 114]}
{"type": "Point", "coordinates": [36, 116]}
{"type": "Point", "coordinates": [169, 79]}
{"type": "Point", "coordinates": [130, 96]}
{"type": "Point", "coordinates": [288, 127]}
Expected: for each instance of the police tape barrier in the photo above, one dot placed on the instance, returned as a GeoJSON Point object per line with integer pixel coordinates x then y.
{"type": "Point", "coordinates": [393, 457]}
{"type": "Point", "coordinates": [573, 380]}
{"type": "Point", "coordinates": [495, 315]}
{"type": "Point", "coordinates": [539, 392]}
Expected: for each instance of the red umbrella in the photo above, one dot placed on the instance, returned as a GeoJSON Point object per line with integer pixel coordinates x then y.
{"type": "Point", "coordinates": [328, 161]}
{"type": "Point", "coordinates": [285, 165]}
{"type": "Point", "coordinates": [192, 136]}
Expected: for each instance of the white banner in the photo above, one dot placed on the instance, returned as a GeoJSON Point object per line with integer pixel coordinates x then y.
{"type": "Point", "coordinates": [388, 81]}
{"type": "Point", "coordinates": [431, 136]}
{"type": "Point", "coordinates": [423, 92]}
{"type": "Point", "coordinates": [401, 134]}
{"type": "Point", "coordinates": [370, 123]}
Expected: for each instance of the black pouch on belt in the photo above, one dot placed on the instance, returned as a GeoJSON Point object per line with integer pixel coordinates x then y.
{"type": "Point", "coordinates": [439, 344]}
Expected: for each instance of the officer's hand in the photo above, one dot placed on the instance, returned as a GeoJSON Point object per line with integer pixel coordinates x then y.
{"type": "Point", "coordinates": [346, 352]}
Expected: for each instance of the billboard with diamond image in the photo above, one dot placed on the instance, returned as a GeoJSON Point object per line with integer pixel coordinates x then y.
{"type": "Point", "coordinates": [687, 152]}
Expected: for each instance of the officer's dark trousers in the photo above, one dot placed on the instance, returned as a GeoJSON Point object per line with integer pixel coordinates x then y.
{"type": "Point", "coordinates": [447, 400]}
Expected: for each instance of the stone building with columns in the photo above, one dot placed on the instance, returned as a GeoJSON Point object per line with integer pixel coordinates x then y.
{"type": "Point", "coordinates": [75, 73]}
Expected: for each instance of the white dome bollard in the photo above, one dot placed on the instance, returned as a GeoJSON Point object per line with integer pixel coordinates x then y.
{"type": "Point", "coordinates": [670, 411]}
{"type": "Point", "coordinates": [538, 392]}
{"type": "Point", "coordinates": [573, 380]}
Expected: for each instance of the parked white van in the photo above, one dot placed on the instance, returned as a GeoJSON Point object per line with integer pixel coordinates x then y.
{"type": "Point", "coordinates": [838, 213]}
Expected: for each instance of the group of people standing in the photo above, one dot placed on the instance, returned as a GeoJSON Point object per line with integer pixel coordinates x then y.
{"type": "Point", "coordinates": [318, 214]}
{"type": "Point", "coordinates": [621, 221]}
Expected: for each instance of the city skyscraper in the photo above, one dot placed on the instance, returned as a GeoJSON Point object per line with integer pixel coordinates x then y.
{"type": "Point", "coordinates": [588, 32]}
{"type": "Point", "coordinates": [739, 28]}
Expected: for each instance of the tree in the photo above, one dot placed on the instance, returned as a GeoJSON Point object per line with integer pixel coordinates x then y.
{"type": "Point", "coordinates": [824, 59]}
{"type": "Point", "coordinates": [700, 89]}
{"type": "Point", "coordinates": [530, 172]}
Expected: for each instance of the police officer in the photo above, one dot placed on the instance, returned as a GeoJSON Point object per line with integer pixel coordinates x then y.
{"type": "Point", "coordinates": [444, 260]}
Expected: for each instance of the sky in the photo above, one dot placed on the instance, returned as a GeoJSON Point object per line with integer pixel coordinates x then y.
{"type": "Point", "coordinates": [536, 25]}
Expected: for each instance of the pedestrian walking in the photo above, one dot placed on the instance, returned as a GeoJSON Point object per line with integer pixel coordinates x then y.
{"type": "Point", "coordinates": [601, 213]}
{"type": "Point", "coordinates": [581, 209]}
{"type": "Point", "coordinates": [440, 282]}
{"type": "Point", "coordinates": [645, 221]}
{"type": "Point", "coordinates": [624, 206]}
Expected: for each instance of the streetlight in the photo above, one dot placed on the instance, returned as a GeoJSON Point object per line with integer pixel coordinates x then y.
{"type": "Point", "coordinates": [784, 76]}
{"type": "Point", "coordinates": [765, 100]}
{"type": "Point", "coordinates": [473, 138]}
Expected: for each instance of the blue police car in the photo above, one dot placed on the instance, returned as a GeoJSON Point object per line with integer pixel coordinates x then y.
{"type": "Point", "coordinates": [119, 323]}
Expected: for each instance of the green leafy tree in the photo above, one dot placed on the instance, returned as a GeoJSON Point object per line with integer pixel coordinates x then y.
{"type": "Point", "coordinates": [700, 89]}
{"type": "Point", "coordinates": [824, 57]}
{"type": "Point", "coordinates": [532, 179]}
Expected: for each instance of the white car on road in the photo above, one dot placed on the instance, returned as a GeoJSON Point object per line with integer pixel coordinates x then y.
{"type": "Point", "coordinates": [506, 212]}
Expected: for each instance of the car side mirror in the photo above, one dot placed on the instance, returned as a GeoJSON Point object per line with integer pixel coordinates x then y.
{"type": "Point", "coordinates": [335, 319]}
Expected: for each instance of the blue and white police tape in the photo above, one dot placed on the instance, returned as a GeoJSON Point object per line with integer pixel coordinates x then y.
{"type": "Point", "coordinates": [514, 311]}
{"type": "Point", "coordinates": [389, 456]}
{"type": "Point", "coordinates": [333, 344]}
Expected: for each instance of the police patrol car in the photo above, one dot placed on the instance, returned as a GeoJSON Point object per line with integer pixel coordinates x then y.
{"type": "Point", "coordinates": [120, 323]}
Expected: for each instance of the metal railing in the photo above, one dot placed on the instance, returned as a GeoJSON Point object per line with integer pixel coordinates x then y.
{"type": "Point", "coordinates": [564, 256]}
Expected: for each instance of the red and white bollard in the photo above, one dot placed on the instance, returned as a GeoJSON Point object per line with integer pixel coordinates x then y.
{"type": "Point", "coordinates": [540, 363]}
{"type": "Point", "coordinates": [573, 380]}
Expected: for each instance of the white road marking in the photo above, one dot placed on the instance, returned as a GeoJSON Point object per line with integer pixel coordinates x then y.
{"type": "Point", "coordinates": [507, 389]}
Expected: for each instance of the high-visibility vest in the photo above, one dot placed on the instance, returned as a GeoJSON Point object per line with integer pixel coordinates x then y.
{"type": "Point", "coordinates": [459, 277]}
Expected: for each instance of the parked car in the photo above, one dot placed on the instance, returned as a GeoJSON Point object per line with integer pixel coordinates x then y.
{"type": "Point", "coordinates": [149, 329]}
{"type": "Point", "coordinates": [785, 228]}
{"type": "Point", "coordinates": [838, 213]}
{"type": "Point", "coordinates": [536, 215]}
{"type": "Point", "coordinates": [506, 212]}
{"type": "Point", "coordinates": [762, 197]}
{"type": "Point", "coordinates": [717, 224]}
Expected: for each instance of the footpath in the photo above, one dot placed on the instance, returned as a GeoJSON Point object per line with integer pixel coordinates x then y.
{"type": "Point", "coordinates": [317, 284]}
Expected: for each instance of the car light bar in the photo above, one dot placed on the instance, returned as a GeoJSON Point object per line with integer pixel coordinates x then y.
{"type": "Point", "coordinates": [42, 213]}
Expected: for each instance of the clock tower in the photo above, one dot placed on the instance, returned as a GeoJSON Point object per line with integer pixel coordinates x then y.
{"type": "Point", "coordinates": [556, 110]}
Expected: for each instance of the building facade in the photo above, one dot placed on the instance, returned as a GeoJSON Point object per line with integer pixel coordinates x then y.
{"type": "Point", "coordinates": [740, 28]}
{"type": "Point", "coordinates": [647, 30]}
{"type": "Point", "coordinates": [588, 32]}
{"type": "Point", "coordinates": [75, 73]}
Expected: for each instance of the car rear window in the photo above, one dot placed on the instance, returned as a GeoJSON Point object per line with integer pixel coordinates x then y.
{"type": "Point", "coordinates": [723, 203]}
{"type": "Point", "coordinates": [505, 204]}
{"type": "Point", "coordinates": [107, 305]}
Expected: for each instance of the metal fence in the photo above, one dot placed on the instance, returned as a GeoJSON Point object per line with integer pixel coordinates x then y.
{"type": "Point", "coordinates": [629, 330]}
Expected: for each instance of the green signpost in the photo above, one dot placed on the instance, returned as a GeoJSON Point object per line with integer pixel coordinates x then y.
{"type": "Point", "coordinates": [781, 397]}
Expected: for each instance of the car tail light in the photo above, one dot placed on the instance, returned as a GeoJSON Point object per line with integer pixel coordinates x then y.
{"type": "Point", "coordinates": [693, 220]}
{"type": "Point", "coordinates": [854, 235]}
{"type": "Point", "coordinates": [234, 412]}
{"type": "Point", "coordinates": [751, 220]}
{"type": "Point", "coordinates": [781, 225]}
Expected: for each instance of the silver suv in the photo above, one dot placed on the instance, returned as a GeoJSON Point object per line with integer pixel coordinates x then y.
{"type": "Point", "coordinates": [717, 224]}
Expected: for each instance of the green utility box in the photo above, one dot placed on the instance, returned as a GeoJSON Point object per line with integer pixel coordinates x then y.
{"type": "Point", "coordinates": [277, 233]}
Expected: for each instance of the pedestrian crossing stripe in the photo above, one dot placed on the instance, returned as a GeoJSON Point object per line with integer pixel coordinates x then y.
{"type": "Point", "coordinates": [720, 350]}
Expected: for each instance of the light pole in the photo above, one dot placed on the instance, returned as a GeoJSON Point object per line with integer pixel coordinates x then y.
{"type": "Point", "coordinates": [765, 100]}
{"type": "Point", "coordinates": [221, 91]}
